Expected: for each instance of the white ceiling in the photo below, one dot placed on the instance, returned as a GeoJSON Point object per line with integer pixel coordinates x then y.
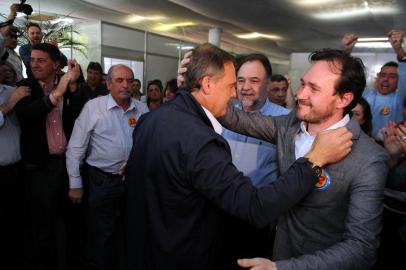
{"type": "Point", "coordinates": [300, 25]}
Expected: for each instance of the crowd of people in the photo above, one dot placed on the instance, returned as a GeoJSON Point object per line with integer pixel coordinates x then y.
{"type": "Point", "coordinates": [221, 168]}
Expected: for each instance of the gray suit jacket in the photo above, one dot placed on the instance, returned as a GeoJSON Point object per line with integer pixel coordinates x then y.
{"type": "Point", "coordinates": [332, 228]}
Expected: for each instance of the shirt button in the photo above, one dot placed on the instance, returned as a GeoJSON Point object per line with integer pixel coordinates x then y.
{"type": "Point", "coordinates": [54, 121]}
{"type": "Point", "coordinates": [57, 134]}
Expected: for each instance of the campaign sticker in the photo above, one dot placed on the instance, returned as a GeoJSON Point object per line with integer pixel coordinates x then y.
{"type": "Point", "coordinates": [132, 121]}
{"type": "Point", "coordinates": [324, 181]}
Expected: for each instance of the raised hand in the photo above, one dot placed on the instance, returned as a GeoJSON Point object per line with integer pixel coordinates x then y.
{"type": "Point", "coordinates": [396, 39]}
{"type": "Point", "coordinates": [348, 42]}
{"type": "Point", "coordinates": [183, 68]}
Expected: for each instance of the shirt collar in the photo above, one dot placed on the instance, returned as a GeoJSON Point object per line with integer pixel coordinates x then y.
{"type": "Point", "coordinates": [344, 121]}
{"type": "Point", "coordinates": [216, 125]}
{"type": "Point", "coordinates": [43, 85]}
{"type": "Point", "coordinates": [111, 103]}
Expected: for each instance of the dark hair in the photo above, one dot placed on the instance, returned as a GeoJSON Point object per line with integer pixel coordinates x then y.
{"type": "Point", "coordinates": [366, 109]}
{"type": "Point", "coordinates": [50, 49]}
{"type": "Point", "coordinates": [390, 64]}
{"type": "Point", "coordinates": [256, 57]}
{"type": "Point", "coordinates": [279, 78]}
{"type": "Point", "coordinates": [207, 60]}
{"type": "Point", "coordinates": [137, 80]}
{"type": "Point", "coordinates": [31, 24]}
{"type": "Point", "coordinates": [173, 85]}
{"type": "Point", "coordinates": [352, 73]}
{"type": "Point", "coordinates": [95, 66]}
{"type": "Point", "coordinates": [158, 83]}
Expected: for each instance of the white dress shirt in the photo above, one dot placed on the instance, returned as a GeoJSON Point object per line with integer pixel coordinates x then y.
{"type": "Point", "coordinates": [304, 141]}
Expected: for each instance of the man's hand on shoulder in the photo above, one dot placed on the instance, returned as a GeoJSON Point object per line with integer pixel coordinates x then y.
{"type": "Point", "coordinates": [257, 264]}
{"type": "Point", "coordinates": [330, 146]}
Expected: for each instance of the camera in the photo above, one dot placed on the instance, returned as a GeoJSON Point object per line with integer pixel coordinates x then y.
{"type": "Point", "coordinates": [24, 8]}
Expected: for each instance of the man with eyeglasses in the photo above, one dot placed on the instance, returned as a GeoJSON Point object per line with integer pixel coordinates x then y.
{"type": "Point", "coordinates": [386, 100]}
{"type": "Point", "coordinates": [102, 138]}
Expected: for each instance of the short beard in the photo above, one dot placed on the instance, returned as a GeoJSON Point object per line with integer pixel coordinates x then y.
{"type": "Point", "coordinates": [315, 117]}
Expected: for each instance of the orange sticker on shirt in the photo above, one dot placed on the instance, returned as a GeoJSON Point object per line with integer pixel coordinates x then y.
{"type": "Point", "coordinates": [385, 110]}
{"type": "Point", "coordinates": [132, 121]}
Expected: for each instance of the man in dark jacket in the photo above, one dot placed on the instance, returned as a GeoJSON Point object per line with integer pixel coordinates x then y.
{"type": "Point", "coordinates": [46, 120]}
{"type": "Point", "coordinates": [181, 181]}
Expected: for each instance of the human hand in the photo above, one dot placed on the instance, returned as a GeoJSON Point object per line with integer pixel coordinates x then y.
{"type": "Point", "coordinates": [18, 93]}
{"type": "Point", "coordinates": [330, 146]}
{"type": "Point", "coordinates": [401, 132]}
{"type": "Point", "coordinates": [76, 194]}
{"type": "Point", "coordinates": [257, 264]}
{"type": "Point", "coordinates": [396, 39]}
{"type": "Point", "coordinates": [183, 68]}
{"type": "Point", "coordinates": [13, 11]}
{"type": "Point", "coordinates": [121, 171]}
{"type": "Point", "coordinates": [73, 70]}
{"type": "Point", "coordinates": [391, 140]}
{"type": "Point", "coordinates": [348, 42]}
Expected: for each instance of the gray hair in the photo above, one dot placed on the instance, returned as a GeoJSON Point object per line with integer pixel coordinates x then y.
{"type": "Point", "coordinates": [207, 60]}
{"type": "Point", "coordinates": [111, 70]}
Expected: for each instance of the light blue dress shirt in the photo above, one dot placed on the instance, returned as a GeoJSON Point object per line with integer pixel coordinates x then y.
{"type": "Point", "coordinates": [9, 132]}
{"type": "Point", "coordinates": [102, 133]}
{"type": "Point", "coordinates": [255, 158]}
{"type": "Point", "coordinates": [393, 103]}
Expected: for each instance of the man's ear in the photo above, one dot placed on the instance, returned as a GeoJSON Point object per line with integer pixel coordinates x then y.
{"type": "Point", "coordinates": [205, 84]}
{"type": "Point", "coordinates": [345, 100]}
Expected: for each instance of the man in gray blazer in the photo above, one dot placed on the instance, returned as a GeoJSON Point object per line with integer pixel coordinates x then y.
{"type": "Point", "coordinates": [336, 226]}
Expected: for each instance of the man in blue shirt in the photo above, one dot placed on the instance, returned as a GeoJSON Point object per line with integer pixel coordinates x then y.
{"type": "Point", "coordinates": [102, 137]}
{"type": "Point", "coordinates": [387, 99]}
{"type": "Point", "coordinates": [255, 158]}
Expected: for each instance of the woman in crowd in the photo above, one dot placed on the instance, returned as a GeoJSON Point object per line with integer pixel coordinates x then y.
{"type": "Point", "coordinates": [363, 114]}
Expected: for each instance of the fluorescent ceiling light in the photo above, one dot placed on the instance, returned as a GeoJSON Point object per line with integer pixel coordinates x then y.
{"type": "Point", "coordinates": [138, 18]}
{"type": "Point", "coordinates": [372, 39]}
{"type": "Point", "coordinates": [255, 35]}
{"type": "Point", "coordinates": [179, 46]}
{"type": "Point", "coordinates": [171, 26]}
{"type": "Point", "coordinates": [314, 2]}
{"type": "Point", "coordinates": [373, 45]}
{"type": "Point", "coordinates": [347, 13]}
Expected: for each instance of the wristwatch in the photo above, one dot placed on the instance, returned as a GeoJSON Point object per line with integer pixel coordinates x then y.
{"type": "Point", "coordinates": [317, 169]}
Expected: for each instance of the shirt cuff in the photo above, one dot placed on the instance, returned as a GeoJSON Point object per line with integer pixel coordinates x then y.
{"type": "Point", "coordinates": [53, 99]}
{"type": "Point", "coordinates": [75, 182]}
{"type": "Point", "coordinates": [1, 119]}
